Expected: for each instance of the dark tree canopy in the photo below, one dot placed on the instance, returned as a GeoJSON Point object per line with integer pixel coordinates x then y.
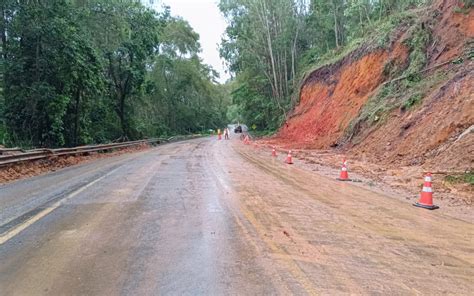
{"type": "Point", "coordinates": [89, 71]}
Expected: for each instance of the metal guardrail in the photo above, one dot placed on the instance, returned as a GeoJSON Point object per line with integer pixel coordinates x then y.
{"type": "Point", "coordinates": [35, 154]}
{"type": "Point", "coordinates": [9, 150]}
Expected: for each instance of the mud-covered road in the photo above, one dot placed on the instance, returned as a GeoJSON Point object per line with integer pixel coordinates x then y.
{"type": "Point", "coordinates": [211, 218]}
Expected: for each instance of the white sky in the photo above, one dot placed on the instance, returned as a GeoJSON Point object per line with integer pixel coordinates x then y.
{"type": "Point", "coordinates": [205, 18]}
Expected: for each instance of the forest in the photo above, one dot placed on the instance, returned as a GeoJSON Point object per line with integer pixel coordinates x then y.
{"type": "Point", "coordinates": [76, 72]}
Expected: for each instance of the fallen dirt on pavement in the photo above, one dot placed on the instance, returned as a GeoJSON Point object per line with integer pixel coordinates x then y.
{"type": "Point", "coordinates": [338, 237]}
{"type": "Point", "coordinates": [403, 183]}
{"type": "Point", "coordinates": [219, 217]}
{"type": "Point", "coordinates": [28, 169]}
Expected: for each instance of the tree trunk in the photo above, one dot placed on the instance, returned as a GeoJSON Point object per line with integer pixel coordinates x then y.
{"type": "Point", "coordinates": [4, 32]}
{"type": "Point", "coordinates": [122, 115]}
{"type": "Point", "coordinates": [75, 136]}
{"type": "Point", "coordinates": [367, 14]}
{"type": "Point", "coordinates": [336, 33]}
{"type": "Point", "coordinates": [37, 54]}
{"type": "Point", "coordinates": [270, 49]}
{"type": "Point", "coordinates": [293, 56]}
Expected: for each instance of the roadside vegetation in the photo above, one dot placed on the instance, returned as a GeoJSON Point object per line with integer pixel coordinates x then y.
{"type": "Point", "coordinates": [88, 71]}
{"type": "Point", "coordinates": [467, 178]}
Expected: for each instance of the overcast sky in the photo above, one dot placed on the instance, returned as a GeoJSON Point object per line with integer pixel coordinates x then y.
{"type": "Point", "coordinates": [205, 18]}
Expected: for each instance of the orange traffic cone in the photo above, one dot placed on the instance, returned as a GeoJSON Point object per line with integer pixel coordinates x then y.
{"type": "Point", "coordinates": [426, 198]}
{"type": "Point", "coordinates": [344, 176]}
{"type": "Point", "coordinates": [288, 159]}
{"type": "Point", "coordinates": [274, 153]}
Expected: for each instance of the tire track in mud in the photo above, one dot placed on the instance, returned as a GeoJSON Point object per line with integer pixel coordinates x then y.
{"type": "Point", "coordinates": [247, 230]}
{"type": "Point", "coordinates": [402, 231]}
{"type": "Point", "coordinates": [276, 243]}
{"type": "Point", "coordinates": [430, 217]}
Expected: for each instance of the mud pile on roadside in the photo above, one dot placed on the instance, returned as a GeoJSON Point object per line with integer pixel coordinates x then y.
{"type": "Point", "coordinates": [33, 168]}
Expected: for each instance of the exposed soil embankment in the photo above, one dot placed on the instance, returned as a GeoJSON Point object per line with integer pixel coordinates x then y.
{"type": "Point", "coordinates": [436, 132]}
{"type": "Point", "coordinates": [433, 135]}
{"type": "Point", "coordinates": [330, 98]}
{"type": "Point", "coordinates": [425, 124]}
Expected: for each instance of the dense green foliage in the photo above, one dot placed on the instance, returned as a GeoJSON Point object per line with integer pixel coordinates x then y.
{"type": "Point", "coordinates": [85, 71]}
{"type": "Point", "coordinates": [269, 44]}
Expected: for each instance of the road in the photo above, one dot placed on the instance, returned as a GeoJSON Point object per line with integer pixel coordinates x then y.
{"type": "Point", "coordinates": [212, 217]}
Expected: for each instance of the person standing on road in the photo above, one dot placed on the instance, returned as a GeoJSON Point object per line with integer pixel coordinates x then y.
{"type": "Point", "coordinates": [226, 133]}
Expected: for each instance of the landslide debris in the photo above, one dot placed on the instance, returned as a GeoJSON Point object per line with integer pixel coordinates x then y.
{"type": "Point", "coordinates": [405, 102]}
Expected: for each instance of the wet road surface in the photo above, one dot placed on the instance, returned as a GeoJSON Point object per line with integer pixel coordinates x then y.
{"type": "Point", "coordinates": [210, 217]}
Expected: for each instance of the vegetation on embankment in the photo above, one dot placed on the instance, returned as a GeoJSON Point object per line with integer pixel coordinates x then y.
{"type": "Point", "coordinates": [404, 87]}
{"type": "Point", "coordinates": [78, 72]}
{"type": "Point", "coordinates": [467, 178]}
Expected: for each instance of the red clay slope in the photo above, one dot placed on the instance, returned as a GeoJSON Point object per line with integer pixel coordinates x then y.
{"type": "Point", "coordinates": [332, 96]}
{"type": "Point", "coordinates": [437, 134]}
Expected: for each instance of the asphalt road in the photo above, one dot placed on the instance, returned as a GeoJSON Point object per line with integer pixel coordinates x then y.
{"type": "Point", "coordinates": [208, 217]}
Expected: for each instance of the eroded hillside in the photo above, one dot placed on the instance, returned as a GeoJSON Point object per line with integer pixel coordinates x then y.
{"type": "Point", "coordinates": [410, 102]}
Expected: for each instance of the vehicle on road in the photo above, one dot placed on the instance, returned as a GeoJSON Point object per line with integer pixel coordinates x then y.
{"type": "Point", "coordinates": [238, 129]}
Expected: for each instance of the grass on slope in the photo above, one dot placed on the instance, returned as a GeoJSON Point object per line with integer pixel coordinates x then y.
{"type": "Point", "coordinates": [467, 178]}
{"type": "Point", "coordinates": [403, 93]}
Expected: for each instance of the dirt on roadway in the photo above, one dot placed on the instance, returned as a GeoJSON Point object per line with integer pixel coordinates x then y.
{"type": "Point", "coordinates": [34, 168]}
{"type": "Point", "coordinates": [214, 217]}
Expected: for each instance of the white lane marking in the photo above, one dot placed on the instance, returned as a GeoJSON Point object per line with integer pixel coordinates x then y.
{"type": "Point", "coordinates": [15, 231]}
